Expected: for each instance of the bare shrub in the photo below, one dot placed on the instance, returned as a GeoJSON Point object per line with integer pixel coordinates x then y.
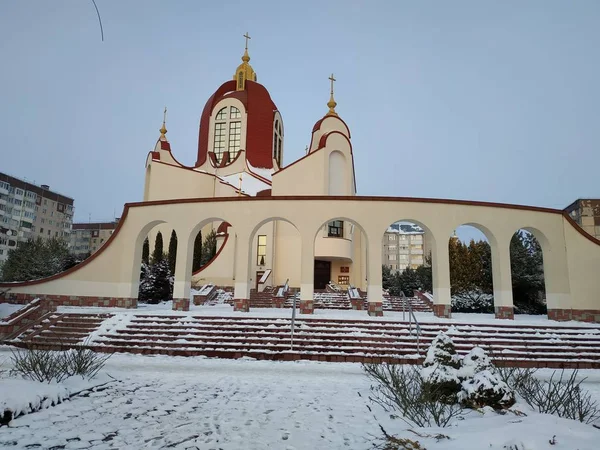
{"type": "Point", "coordinates": [403, 390]}
{"type": "Point", "coordinates": [48, 366]}
{"type": "Point", "coordinates": [561, 395]}
{"type": "Point", "coordinates": [39, 364]}
{"type": "Point", "coordinates": [83, 361]}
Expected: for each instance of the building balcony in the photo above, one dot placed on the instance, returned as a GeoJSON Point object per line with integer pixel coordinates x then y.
{"type": "Point", "coordinates": [333, 248]}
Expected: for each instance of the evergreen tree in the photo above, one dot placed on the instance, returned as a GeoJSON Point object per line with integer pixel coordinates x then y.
{"type": "Point", "coordinates": [37, 258]}
{"type": "Point", "coordinates": [172, 256]}
{"type": "Point", "coordinates": [209, 247]}
{"type": "Point", "coordinates": [409, 281]}
{"type": "Point", "coordinates": [527, 271]}
{"type": "Point", "coordinates": [197, 252]}
{"type": "Point", "coordinates": [425, 275]}
{"type": "Point", "coordinates": [146, 251]}
{"type": "Point", "coordinates": [386, 277]}
{"type": "Point", "coordinates": [158, 253]}
{"type": "Point", "coordinates": [156, 282]}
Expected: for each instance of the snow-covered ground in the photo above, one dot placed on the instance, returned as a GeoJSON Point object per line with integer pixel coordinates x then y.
{"type": "Point", "coordinates": [201, 403]}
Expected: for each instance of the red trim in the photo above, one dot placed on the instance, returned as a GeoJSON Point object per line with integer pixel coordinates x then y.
{"type": "Point", "coordinates": [155, 156]}
{"type": "Point", "coordinates": [164, 145]}
{"type": "Point", "coordinates": [347, 198]}
{"type": "Point", "coordinates": [210, 261]}
{"type": "Point", "coordinates": [320, 121]}
{"type": "Point", "coordinates": [265, 193]}
{"type": "Point", "coordinates": [223, 228]}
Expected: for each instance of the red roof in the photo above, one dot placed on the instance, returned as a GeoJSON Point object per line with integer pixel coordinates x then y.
{"type": "Point", "coordinates": [261, 114]}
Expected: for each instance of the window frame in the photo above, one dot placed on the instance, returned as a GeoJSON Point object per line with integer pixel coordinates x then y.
{"type": "Point", "coordinates": [227, 131]}
{"type": "Point", "coordinates": [261, 249]}
{"type": "Point", "coordinates": [335, 229]}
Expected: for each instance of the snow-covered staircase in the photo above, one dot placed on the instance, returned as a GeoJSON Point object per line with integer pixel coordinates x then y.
{"type": "Point", "coordinates": [61, 330]}
{"type": "Point", "coordinates": [321, 339]}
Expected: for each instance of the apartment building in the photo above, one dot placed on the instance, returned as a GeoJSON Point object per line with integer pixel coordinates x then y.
{"type": "Point", "coordinates": [586, 212]}
{"type": "Point", "coordinates": [404, 246]}
{"type": "Point", "coordinates": [29, 210]}
{"type": "Point", "coordinates": [87, 238]}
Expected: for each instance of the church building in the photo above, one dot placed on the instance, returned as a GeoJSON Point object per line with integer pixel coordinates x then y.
{"type": "Point", "coordinates": [241, 147]}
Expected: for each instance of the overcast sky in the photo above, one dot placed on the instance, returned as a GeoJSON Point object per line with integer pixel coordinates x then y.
{"type": "Point", "coordinates": [478, 100]}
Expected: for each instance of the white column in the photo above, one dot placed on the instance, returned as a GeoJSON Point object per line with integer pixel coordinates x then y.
{"type": "Point", "coordinates": [556, 280]}
{"type": "Point", "coordinates": [242, 266]}
{"type": "Point", "coordinates": [183, 270]}
{"type": "Point", "coordinates": [307, 272]}
{"type": "Point", "coordinates": [440, 267]}
{"type": "Point", "coordinates": [501, 277]}
{"type": "Point", "coordinates": [374, 274]}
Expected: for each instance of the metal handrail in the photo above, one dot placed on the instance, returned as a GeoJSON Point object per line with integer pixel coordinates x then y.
{"type": "Point", "coordinates": [411, 317]}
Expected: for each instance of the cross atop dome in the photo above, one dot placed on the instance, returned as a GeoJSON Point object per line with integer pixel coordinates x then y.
{"type": "Point", "coordinates": [244, 71]}
{"type": "Point", "coordinates": [331, 103]}
{"type": "Point", "coordinates": [163, 129]}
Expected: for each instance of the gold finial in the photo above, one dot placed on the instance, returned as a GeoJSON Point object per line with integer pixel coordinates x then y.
{"type": "Point", "coordinates": [163, 129]}
{"type": "Point", "coordinates": [244, 71]}
{"type": "Point", "coordinates": [331, 103]}
{"type": "Point", "coordinates": [246, 57]}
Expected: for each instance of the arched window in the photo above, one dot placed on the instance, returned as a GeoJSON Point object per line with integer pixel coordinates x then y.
{"type": "Point", "coordinates": [277, 142]}
{"type": "Point", "coordinates": [228, 132]}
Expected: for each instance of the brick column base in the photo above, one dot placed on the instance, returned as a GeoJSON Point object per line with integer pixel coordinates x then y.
{"type": "Point", "coordinates": [357, 303]}
{"type": "Point", "coordinates": [444, 311]}
{"type": "Point", "coordinates": [307, 306]}
{"type": "Point", "coordinates": [560, 315]}
{"type": "Point", "coordinates": [181, 304]}
{"type": "Point", "coordinates": [278, 302]}
{"type": "Point", "coordinates": [580, 315]}
{"type": "Point", "coordinates": [241, 304]}
{"type": "Point", "coordinates": [375, 308]}
{"type": "Point", "coordinates": [505, 312]}
{"type": "Point", "coordinates": [586, 315]}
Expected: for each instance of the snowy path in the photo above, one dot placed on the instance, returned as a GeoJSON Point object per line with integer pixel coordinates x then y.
{"type": "Point", "coordinates": [200, 403]}
{"type": "Point", "coordinates": [208, 404]}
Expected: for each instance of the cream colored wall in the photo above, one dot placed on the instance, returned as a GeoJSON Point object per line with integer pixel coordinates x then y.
{"type": "Point", "coordinates": [220, 272]}
{"type": "Point", "coordinates": [583, 261]}
{"type": "Point", "coordinates": [571, 263]}
{"type": "Point", "coordinates": [169, 182]}
{"type": "Point", "coordinates": [287, 255]}
{"type": "Point", "coordinates": [310, 175]}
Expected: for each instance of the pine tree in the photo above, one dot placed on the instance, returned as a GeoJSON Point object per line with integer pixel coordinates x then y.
{"type": "Point", "coordinates": [409, 281]}
{"type": "Point", "coordinates": [146, 251]}
{"type": "Point", "coordinates": [209, 247]}
{"type": "Point", "coordinates": [197, 252]}
{"type": "Point", "coordinates": [37, 258]}
{"type": "Point", "coordinates": [172, 256]}
{"type": "Point", "coordinates": [425, 275]}
{"type": "Point", "coordinates": [158, 253]}
{"type": "Point", "coordinates": [527, 271]}
{"type": "Point", "coordinates": [386, 277]}
{"type": "Point", "coordinates": [440, 370]}
{"type": "Point", "coordinates": [156, 283]}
